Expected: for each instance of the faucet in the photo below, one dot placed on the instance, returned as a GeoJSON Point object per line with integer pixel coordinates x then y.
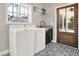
{"type": "Point", "coordinates": [42, 23]}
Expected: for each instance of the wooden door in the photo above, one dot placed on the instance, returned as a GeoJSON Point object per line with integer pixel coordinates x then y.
{"type": "Point", "coordinates": [67, 25]}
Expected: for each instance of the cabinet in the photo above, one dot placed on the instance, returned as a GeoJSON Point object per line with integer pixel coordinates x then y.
{"type": "Point", "coordinates": [39, 40]}
{"type": "Point", "coordinates": [25, 41]}
{"type": "Point", "coordinates": [21, 42]}
{"type": "Point", "coordinates": [49, 35]}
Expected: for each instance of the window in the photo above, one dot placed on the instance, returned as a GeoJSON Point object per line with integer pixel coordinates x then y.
{"type": "Point", "coordinates": [19, 12]}
{"type": "Point", "coordinates": [62, 20]}
{"type": "Point", "coordinates": [66, 19]}
{"type": "Point", "coordinates": [70, 19]}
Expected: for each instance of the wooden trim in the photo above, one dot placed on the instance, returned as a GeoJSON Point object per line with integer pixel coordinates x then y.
{"type": "Point", "coordinates": [67, 6]}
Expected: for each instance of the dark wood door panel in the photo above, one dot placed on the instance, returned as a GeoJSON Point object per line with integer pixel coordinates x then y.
{"type": "Point", "coordinates": [68, 38]}
{"type": "Point", "coordinates": [69, 43]}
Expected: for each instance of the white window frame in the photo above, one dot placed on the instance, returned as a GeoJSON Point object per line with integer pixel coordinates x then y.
{"type": "Point", "coordinates": [29, 18]}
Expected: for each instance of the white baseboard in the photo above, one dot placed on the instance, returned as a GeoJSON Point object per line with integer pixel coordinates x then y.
{"type": "Point", "coordinates": [4, 52]}
{"type": "Point", "coordinates": [53, 41]}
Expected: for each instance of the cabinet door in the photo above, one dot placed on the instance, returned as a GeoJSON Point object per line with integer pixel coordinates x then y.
{"type": "Point", "coordinates": [39, 40]}
{"type": "Point", "coordinates": [25, 43]}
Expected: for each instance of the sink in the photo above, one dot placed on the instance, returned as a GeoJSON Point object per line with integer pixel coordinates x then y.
{"type": "Point", "coordinates": [46, 27]}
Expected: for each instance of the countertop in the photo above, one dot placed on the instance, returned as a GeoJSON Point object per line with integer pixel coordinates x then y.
{"type": "Point", "coordinates": [45, 27]}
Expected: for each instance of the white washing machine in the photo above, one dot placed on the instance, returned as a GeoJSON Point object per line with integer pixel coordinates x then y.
{"type": "Point", "coordinates": [25, 41]}
{"type": "Point", "coordinates": [21, 41]}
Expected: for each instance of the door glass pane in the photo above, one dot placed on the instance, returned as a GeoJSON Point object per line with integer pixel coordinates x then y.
{"type": "Point", "coordinates": [70, 19]}
{"type": "Point", "coordinates": [62, 19]}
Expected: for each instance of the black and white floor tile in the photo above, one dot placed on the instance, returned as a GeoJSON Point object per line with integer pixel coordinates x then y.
{"type": "Point", "coordinates": [57, 49]}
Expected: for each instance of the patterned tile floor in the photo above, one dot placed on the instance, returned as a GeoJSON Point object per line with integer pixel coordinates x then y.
{"type": "Point", "coordinates": [57, 49]}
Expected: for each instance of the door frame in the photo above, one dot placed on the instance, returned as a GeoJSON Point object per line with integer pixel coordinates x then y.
{"type": "Point", "coordinates": [55, 28]}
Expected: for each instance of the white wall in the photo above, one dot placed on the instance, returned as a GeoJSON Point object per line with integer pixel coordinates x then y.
{"type": "Point", "coordinates": [36, 17]}
{"type": "Point", "coordinates": [3, 28]}
{"type": "Point", "coordinates": [49, 17]}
